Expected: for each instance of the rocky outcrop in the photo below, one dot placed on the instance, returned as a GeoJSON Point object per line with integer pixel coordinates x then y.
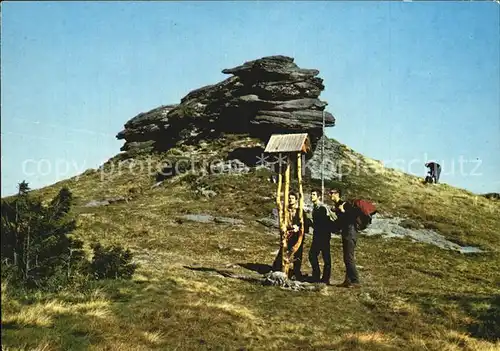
{"type": "Point", "coordinates": [262, 97]}
{"type": "Point", "coordinates": [106, 202]}
{"type": "Point", "coordinates": [144, 130]}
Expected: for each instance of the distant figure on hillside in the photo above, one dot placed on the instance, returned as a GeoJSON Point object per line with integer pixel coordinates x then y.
{"type": "Point", "coordinates": [292, 233]}
{"type": "Point", "coordinates": [433, 173]}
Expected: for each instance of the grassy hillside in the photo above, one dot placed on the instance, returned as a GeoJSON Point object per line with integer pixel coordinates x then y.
{"type": "Point", "coordinates": [414, 296]}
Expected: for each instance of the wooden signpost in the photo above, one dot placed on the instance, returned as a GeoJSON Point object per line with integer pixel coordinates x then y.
{"type": "Point", "coordinates": [289, 147]}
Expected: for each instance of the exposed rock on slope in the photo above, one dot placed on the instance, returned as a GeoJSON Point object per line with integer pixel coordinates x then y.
{"type": "Point", "coordinates": [492, 196]}
{"type": "Point", "coordinates": [332, 160]}
{"type": "Point", "coordinates": [264, 96]}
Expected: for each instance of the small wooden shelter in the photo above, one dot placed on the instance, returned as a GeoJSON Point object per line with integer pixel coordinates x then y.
{"type": "Point", "coordinates": [290, 147]}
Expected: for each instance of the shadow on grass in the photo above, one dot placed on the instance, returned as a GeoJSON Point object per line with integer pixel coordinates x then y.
{"type": "Point", "coordinates": [484, 309]}
{"type": "Point", "coordinates": [486, 327]}
{"type": "Point", "coordinates": [10, 325]}
{"type": "Point", "coordinates": [260, 268]}
{"type": "Point", "coordinates": [70, 331]}
{"type": "Point", "coordinates": [96, 313]}
{"type": "Point", "coordinates": [354, 343]}
{"type": "Point", "coordinates": [435, 274]}
{"type": "Point", "coordinates": [226, 274]}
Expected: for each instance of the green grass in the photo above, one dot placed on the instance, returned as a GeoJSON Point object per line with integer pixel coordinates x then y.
{"type": "Point", "coordinates": [414, 296]}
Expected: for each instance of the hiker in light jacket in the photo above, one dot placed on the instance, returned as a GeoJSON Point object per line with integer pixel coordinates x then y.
{"type": "Point", "coordinates": [346, 224]}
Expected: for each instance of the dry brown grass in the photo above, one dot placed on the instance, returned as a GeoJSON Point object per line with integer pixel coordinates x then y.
{"type": "Point", "coordinates": [414, 296]}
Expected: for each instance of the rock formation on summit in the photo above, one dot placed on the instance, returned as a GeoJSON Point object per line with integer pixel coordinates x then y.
{"type": "Point", "coordinates": [262, 97]}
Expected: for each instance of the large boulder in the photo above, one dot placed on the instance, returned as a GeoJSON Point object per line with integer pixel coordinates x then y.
{"type": "Point", "coordinates": [262, 97]}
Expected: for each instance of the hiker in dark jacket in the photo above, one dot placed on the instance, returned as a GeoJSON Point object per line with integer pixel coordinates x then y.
{"type": "Point", "coordinates": [293, 232]}
{"type": "Point", "coordinates": [347, 215]}
{"type": "Point", "coordinates": [322, 226]}
{"type": "Point", "coordinates": [434, 171]}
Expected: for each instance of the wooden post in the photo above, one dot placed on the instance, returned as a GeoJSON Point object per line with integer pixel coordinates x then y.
{"type": "Point", "coordinates": [284, 244]}
{"type": "Point", "coordinates": [278, 201]}
{"type": "Point", "coordinates": [322, 160]}
{"type": "Point", "coordinates": [287, 191]}
{"type": "Point", "coordinates": [281, 214]}
{"type": "Point", "coordinates": [301, 206]}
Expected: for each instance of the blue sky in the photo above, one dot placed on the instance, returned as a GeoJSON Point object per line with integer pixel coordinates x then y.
{"type": "Point", "coordinates": [406, 81]}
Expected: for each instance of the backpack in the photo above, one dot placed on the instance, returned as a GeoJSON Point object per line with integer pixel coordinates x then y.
{"type": "Point", "coordinates": [366, 210]}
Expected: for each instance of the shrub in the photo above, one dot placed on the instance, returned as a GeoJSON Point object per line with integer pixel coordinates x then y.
{"type": "Point", "coordinates": [111, 263]}
{"type": "Point", "coordinates": [38, 251]}
{"type": "Point", "coordinates": [191, 179]}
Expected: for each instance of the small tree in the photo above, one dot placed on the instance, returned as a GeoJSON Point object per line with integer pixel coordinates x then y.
{"type": "Point", "coordinates": [36, 248]}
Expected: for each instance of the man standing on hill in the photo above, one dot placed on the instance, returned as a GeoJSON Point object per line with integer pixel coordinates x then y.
{"type": "Point", "coordinates": [322, 226]}
{"type": "Point", "coordinates": [346, 223]}
{"type": "Point", "coordinates": [293, 232]}
{"type": "Point", "coordinates": [434, 171]}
